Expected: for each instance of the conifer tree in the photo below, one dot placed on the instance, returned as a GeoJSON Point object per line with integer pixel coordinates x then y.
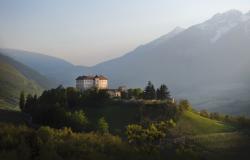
{"type": "Point", "coordinates": [22, 101]}
{"type": "Point", "coordinates": [163, 92]}
{"type": "Point", "coordinates": [149, 91]}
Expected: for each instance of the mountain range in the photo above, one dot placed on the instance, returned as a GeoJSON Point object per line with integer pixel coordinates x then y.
{"type": "Point", "coordinates": [207, 63]}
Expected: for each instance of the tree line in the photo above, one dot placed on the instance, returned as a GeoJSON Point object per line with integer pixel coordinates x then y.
{"type": "Point", "coordinates": [149, 93]}
{"type": "Point", "coordinates": [64, 107]}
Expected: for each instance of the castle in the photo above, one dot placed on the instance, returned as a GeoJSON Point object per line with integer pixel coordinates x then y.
{"type": "Point", "coordinates": [99, 82]}
{"type": "Point", "coordinates": [87, 82]}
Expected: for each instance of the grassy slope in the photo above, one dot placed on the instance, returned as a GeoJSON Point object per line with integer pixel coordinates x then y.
{"type": "Point", "coordinates": [212, 139]}
{"type": "Point", "coordinates": [194, 124]}
{"type": "Point", "coordinates": [189, 123]}
{"type": "Point", "coordinates": [12, 82]}
{"type": "Point", "coordinates": [217, 146]}
{"type": "Point", "coordinates": [118, 116]}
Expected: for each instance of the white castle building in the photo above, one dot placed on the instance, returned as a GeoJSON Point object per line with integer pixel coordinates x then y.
{"type": "Point", "coordinates": [87, 82]}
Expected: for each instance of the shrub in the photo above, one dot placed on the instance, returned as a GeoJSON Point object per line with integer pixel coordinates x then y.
{"type": "Point", "coordinates": [149, 138]}
{"type": "Point", "coordinates": [103, 126]}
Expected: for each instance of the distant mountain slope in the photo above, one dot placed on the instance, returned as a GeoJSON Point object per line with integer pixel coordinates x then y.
{"type": "Point", "coordinates": [16, 77]}
{"type": "Point", "coordinates": [201, 63]}
{"type": "Point", "coordinates": [188, 58]}
{"type": "Point", "coordinates": [235, 102]}
{"type": "Point", "coordinates": [56, 70]}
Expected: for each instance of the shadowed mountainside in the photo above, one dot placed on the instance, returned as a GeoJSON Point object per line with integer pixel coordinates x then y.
{"type": "Point", "coordinates": [16, 77]}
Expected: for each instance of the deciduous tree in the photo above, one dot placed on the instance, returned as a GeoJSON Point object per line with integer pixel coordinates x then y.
{"type": "Point", "coordinates": [103, 126]}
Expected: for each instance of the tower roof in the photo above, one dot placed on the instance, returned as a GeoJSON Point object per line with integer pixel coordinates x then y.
{"type": "Point", "coordinates": [101, 77]}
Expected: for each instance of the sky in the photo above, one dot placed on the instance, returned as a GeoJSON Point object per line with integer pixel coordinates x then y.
{"type": "Point", "coordinates": [87, 32]}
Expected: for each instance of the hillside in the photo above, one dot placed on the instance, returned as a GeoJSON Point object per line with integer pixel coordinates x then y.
{"type": "Point", "coordinates": [210, 138]}
{"type": "Point", "coordinates": [194, 124]}
{"type": "Point", "coordinates": [54, 69]}
{"type": "Point", "coordinates": [154, 128]}
{"type": "Point", "coordinates": [16, 77]}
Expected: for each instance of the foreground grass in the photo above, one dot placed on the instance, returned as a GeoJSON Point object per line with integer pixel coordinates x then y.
{"type": "Point", "coordinates": [230, 145]}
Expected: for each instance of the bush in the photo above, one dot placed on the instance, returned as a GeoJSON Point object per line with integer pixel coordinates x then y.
{"type": "Point", "coordinates": [76, 120]}
{"type": "Point", "coordinates": [204, 113]}
{"type": "Point", "coordinates": [103, 126]}
{"type": "Point", "coordinates": [53, 144]}
{"type": "Point", "coordinates": [149, 138]}
{"type": "Point", "coordinates": [184, 105]}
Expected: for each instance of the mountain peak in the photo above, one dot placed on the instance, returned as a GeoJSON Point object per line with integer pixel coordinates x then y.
{"type": "Point", "coordinates": [229, 16]}
{"type": "Point", "coordinates": [221, 23]}
{"type": "Point", "coordinates": [246, 16]}
{"type": "Point", "coordinates": [232, 12]}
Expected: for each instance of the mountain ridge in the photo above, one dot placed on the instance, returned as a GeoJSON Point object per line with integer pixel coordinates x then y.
{"type": "Point", "coordinates": [55, 69]}
{"type": "Point", "coordinates": [203, 63]}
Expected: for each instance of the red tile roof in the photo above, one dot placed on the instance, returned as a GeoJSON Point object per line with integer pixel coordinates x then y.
{"type": "Point", "coordinates": [101, 77]}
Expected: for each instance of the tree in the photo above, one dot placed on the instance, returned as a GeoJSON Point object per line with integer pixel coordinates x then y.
{"type": "Point", "coordinates": [22, 101]}
{"type": "Point", "coordinates": [77, 120]}
{"type": "Point", "coordinates": [72, 97]}
{"type": "Point", "coordinates": [163, 93]}
{"type": "Point", "coordinates": [124, 95]}
{"type": "Point", "coordinates": [215, 115]}
{"type": "Point", "coordinates": [204, 113]}
{"type": "Point", "coordinates": [148, 138]}
{"type": "Point", "coordinates": [184, 105]}
{"type": "Point", "coordinates": [103, 126]}
{"type": "Point", "coordinates": [29, 104]}
{"type": "Point", "coordinates": [135, 93]}
{"type": "Point", "coordinates": [130, 93]}
{"type": "Point", "coordinates": [95, 97]}
{"type": "Point", "coordinates": [149, 91]}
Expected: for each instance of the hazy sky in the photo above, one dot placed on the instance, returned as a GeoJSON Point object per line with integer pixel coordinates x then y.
{"type": "Point", "coordinates": [87, 32]}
